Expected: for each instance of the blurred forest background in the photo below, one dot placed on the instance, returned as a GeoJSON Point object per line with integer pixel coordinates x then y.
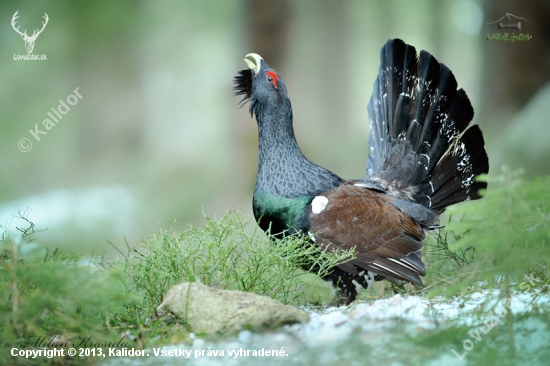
{"type": "Point", "coordinates": [158, 134]}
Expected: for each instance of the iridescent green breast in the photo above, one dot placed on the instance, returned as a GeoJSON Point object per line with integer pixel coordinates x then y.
{"type": "Point", "coordinates": [279, 212]}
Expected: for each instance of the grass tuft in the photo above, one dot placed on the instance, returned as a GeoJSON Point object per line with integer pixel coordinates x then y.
{"type": "Point", "coordinates": [51, 296]}
{"type": "Point", "coordinates": [222, 255]}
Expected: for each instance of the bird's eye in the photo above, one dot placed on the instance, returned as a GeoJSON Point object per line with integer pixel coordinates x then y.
{"type": "Point", "coordinates": [272, 78]}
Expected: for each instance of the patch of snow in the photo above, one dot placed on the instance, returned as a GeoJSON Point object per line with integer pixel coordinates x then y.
{"type": "Point", "coordinates": [85, 210]}
{"type": "Point", "coordinates": [382, 330]}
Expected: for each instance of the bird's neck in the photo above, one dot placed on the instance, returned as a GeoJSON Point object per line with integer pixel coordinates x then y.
{"type": "Point", "coordinates": [282, 168]}
{"type": "Point", "coordinates": [277, 143]}
{"type": "Point", "coordinates": [278, 151]}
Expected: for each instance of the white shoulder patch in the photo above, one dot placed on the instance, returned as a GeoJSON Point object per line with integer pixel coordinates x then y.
{"type": "Point", "coordinates": [318, 204]}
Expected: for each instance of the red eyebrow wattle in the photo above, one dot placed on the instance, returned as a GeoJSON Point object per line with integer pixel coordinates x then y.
{"type": "Point", "coordinates": [274, 76]}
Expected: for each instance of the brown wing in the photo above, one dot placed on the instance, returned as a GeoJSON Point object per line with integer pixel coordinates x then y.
{"type": "Point", "coordinates": [387, 242]}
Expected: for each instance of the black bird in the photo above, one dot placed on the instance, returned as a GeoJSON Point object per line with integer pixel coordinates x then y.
{"type": "Point", "coordinates": [423, 158]}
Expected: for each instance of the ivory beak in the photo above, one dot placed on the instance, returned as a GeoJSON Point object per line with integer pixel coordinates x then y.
{"type": "Point", "coordinates": [254, 66]}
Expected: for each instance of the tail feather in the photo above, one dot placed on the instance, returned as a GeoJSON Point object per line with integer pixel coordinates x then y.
{"type": "Point", "coordinates": [433, 103]}
{"type": "Point", "coordinates": [390, 95]}
{"type": "Point", "coordinates": [456, 172]}
{"type": "Point", "coordinates": [420, 146]}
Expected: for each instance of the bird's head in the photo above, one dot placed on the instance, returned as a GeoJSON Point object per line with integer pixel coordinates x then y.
{"type": "Point", "coordinates": [261, 85]}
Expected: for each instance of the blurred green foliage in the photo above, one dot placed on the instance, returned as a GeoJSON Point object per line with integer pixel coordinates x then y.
{"type": "Point", "coordinates": [496, 240]}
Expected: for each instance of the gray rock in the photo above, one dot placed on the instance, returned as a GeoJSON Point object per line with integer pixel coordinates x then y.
{"type": "Point", "coordinates": [209, 310]}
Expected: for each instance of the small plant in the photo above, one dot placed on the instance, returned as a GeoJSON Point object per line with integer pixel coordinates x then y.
{"type": "Point", "coordinates": [223, 255]}
{"type": "Point", "coordinates": [47, 295]}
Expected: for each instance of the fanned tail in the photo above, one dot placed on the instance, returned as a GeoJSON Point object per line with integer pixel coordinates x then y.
{"type": "Point", "coordinates": [421, 148]}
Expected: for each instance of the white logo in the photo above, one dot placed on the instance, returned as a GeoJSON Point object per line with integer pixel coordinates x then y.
{"type": "Point", "coordinates": [29, 40]}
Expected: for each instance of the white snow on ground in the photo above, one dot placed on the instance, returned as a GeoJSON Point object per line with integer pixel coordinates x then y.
{"type": "Point", "coordinates": [377, 332]}
{"type": "Point", "coordinates": [84, 210]}
{"type": "Point", "coordinates": [334, 323]}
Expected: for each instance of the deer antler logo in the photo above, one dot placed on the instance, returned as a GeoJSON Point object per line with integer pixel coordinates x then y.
{"type": "Point", "coordinates": [29, 41]}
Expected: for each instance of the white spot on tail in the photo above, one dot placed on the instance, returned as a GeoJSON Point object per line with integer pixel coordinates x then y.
{"type": "Point", "coordinates": [362, 185]}
{"type": "Point", "coordinates": [369, 277]}
{"type": "Point", "coordinates": [467, 182]}
{"type": "Point", "coordinates": [318, 204]}
{"type": "Point", "coordinates": [311, 236]}
{"type": "Point", "coordinates": [358, 286]}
